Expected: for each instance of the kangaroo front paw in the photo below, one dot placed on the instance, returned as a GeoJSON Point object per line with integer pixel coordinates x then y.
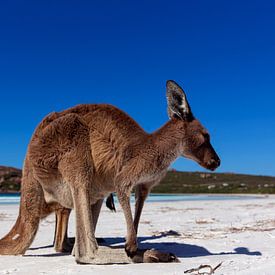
{"type": "Point", "coordinates": [131, 249]}
{"type": "Point", "coordinates": [155, 256]}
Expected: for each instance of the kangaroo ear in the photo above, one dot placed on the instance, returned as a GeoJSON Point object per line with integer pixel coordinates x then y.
{"type": "Point", "coordinates": [177, 103]}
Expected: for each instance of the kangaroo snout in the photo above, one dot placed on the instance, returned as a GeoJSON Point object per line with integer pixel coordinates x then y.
{"type": "Point", "coordinates": [213, 164]}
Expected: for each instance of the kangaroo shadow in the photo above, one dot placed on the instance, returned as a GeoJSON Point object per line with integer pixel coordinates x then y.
{"type": "Point", "coordinates": [181, 250]}
{"type": "Point", "coordinates": [40, 247]}
{"type": "Point", "coordinates": [72, 240]}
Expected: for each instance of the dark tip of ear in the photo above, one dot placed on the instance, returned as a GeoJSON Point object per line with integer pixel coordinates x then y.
{"type": "Point", "coordinates": [170, 82]}
{"type": "Point", "coordinates": [173, 85]}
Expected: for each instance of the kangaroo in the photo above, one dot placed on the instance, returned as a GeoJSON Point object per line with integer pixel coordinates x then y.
{"type": "Point", "coordinates": [89, 151]}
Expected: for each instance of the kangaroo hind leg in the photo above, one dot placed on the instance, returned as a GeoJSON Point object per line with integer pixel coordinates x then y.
{"type": "Point", "coordinates": [61, 241]}
{"type": "Point", "coordinates": [77, 171]}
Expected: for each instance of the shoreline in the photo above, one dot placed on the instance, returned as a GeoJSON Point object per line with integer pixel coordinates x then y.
{"type": "Point", "coordinates": [184, 194]}
{"type": "Point", "coordinates": [10, 193]}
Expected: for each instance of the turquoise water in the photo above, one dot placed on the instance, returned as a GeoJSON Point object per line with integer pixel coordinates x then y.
{"type": "Point", "coordinates": [9, 199]}
{"type": "Point", "coordinates": [202, 197]}
{"type": "Point", "coordinates": [15, 198]}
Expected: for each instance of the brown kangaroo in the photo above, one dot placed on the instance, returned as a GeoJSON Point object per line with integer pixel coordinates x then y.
{"type": "Point", "coordinates": [77, 157]}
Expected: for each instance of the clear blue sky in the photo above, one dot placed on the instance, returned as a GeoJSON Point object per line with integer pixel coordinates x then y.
{"type": "Point", "coordinates": [55, 54]}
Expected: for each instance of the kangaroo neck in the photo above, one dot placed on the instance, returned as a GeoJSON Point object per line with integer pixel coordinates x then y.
{"type": "Point", "coordinates": [167, 142]}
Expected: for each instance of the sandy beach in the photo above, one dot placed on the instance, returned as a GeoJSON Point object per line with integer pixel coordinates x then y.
{"type": "Point", "coordinates": [238, 233]}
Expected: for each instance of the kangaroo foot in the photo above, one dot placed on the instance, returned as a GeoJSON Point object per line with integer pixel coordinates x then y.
{"type": "Point", "coordinates": [154, 256]}
{"type": "Point", "coordinates": [67, 247]}
{"type": "Point", "coordinates": [88, 258]}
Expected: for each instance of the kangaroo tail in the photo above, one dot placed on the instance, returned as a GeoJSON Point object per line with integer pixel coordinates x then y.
{"type": "Point", "coordinates": [20, 237]}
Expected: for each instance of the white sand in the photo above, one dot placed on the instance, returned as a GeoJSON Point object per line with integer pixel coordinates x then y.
{"type": "Point", "coordinates": [241, 234]}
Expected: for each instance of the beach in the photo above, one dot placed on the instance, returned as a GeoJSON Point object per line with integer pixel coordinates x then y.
{"type": "Point", "coordinates": [240, 234]}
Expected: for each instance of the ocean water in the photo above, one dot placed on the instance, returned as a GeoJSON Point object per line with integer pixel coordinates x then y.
{"type": "Point", "coordinates": [15, 198]}
{"type": "Point", "coordinates": [9, 198]}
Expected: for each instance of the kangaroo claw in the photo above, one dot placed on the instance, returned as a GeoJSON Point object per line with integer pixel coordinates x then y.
{"type": "Point", "coordinates": [154, 256]}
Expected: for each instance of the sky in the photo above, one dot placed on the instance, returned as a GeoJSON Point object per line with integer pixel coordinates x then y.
{"type": "Point", "coordinates": [56, 54]}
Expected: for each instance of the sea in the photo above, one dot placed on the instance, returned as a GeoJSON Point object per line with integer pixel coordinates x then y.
{"type": "Point", "coordinates": [15, 198]}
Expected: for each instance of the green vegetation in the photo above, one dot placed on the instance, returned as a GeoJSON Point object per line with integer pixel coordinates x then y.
{"type": "Point", "coordinates": [10, 179]}
{"type": "Point", "coordinates": [177, 182]}
{"type": "Point", "coordinates": [198, 182]}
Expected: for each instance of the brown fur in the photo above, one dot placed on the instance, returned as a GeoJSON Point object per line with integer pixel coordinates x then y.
{"type": "Point", "coordinates": [77, 157]}
{"type": "Point", "coordinates": [61, 241]}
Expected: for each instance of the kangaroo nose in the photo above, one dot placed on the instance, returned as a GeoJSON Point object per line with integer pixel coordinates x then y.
{"type": "Point", "coordinates": [213, 163]}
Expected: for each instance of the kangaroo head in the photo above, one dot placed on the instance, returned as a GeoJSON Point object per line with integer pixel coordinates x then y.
{"type": "Point", "coordinates": [194, 138]}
